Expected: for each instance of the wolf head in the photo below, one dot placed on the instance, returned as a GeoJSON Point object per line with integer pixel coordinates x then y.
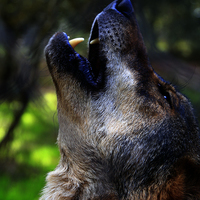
{"type": "Point", "coordinates": [124, 132]}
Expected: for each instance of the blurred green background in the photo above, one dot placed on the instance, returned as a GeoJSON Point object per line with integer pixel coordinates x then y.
{"type": "Point", "coordinates": [28, 117]}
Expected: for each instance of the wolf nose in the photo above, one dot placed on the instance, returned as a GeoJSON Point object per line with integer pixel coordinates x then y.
{"type": "Point", "coordinates": [125, 7]}
{"type": "Point", "coordinates": [122, 6]}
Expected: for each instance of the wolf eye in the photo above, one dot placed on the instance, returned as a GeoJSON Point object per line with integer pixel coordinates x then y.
{"type": "Point", "coordinates": [165, 94]}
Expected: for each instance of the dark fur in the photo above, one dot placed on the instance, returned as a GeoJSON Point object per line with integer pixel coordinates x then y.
{"type": "Point", "coordinates": [124, 133]}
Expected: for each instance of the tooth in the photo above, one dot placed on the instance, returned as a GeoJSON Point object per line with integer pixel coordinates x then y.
{"type": "Point", "coordinates": [95, 41]}
{"type": "Point", "coordinates": [75, 41]}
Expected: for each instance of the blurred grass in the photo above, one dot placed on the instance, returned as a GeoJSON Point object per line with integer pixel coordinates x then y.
{"type": "Point", "coordinates": [33, 152]}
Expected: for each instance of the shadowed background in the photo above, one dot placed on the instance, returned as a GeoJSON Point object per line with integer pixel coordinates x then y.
{"type": "Point", "coordinates": [28, 119]}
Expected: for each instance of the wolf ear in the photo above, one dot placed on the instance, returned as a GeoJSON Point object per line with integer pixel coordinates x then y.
{"type": "Point", "coordinates": [185, 184]}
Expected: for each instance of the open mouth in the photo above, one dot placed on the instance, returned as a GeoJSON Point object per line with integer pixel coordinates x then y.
{"type": "Point", "coordinates": [89, 72]}
{"type": "Point", "coordinates": [60, 54]}
{"type": "Point", "coordinates": [95, 64]}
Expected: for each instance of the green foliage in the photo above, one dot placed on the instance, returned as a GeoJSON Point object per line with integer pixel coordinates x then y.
{"type": "Point", "coordinates": [33, 152]}
{"type": "Point", "coordinates": [24, 189]}
{"type": "Point", "coordinates": [175, 26]}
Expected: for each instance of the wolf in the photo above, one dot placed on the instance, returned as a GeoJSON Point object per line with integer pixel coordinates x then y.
{"type": "Point", "coordinates": [124, 132]}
